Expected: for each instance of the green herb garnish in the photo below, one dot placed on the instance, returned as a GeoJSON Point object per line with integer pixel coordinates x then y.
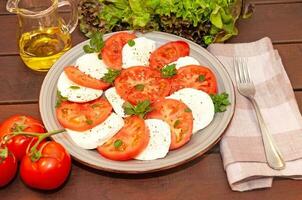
{"type": "Point", "coordinates": [139, 87]}
{"type": "Point", "coordinates": [168, 71]}
{"type": "Point", "coordinates": [96, 43]}
{"type": "Point", "coordinates": [118, 143]}
{"type": "Point", "coordinates": [111, 75]}
{"type": "Point", "coordinates": [74, 87]}
{"type": "Point", "coordinates": [176, 123]}
{"type": "Point", "coordinates": [141, 109]}
{"type": "Point", "coordinates": [221, 101]}
{"type": "Point", "coordinates": [131, 43]}
{"type": "Point", "coordinates": [188, 109]}
{"type": "Point", "coordinates": [95, 105]}
{"type": "Point", "coordinates": [60, 99]}
{"type": "Point", "coordinates": [89, 121]}
{"type": "Point", "coordinates": [201, 78]}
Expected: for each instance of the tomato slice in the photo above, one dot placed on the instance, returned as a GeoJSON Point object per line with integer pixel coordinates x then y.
{"type": "Point", "coordinates": [174, 113]}
{"type": "Point", "coordinates": [81, 117]}
{"type": "Point", "coordinates": [141, 83]}
{"type": "Point", "coordinates": [168, 53]}
{"type": "Point", "coordinates": [112, 51]}
{"type": "Point", "coordinates": [195, 76]}
{"type": "Point", "coordinates": [131, 140]}
{"type": "Point", "coordinates": [75, 75]}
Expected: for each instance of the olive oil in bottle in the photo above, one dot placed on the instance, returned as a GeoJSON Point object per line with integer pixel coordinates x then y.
{"type": "Point", "coordinates": [39, 49]}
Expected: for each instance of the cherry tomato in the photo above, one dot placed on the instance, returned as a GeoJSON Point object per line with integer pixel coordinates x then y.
{"type": "Point", "coordinates": [18, 144]}
{"type": "Point", "coordinates": [168, 53]}
{"type": "Point", "coordinates": [48, 172]}
{"type": "Point", "coordinates": [75, 75]}
{"type": "Point", "coordinates": [112, 51]}
{"type": "Point", "coordinates": [8, 166]}
{"type": "Point", "coordinates": [141, 83]}
{"type": "Point", "coordinates": [83, 116]}
{"type": "Point", "coordinates": [195, 76]}
{"type": "Point", "coordinates": [132, 139]}
{"type": "Point", "coordinates": [174, 113]}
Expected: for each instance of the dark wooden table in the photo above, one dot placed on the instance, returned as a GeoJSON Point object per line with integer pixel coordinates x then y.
{"type": "Point", "coordinates": [203, 178]}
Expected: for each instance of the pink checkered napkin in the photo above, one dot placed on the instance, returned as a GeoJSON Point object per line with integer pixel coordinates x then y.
{"type": "Point", "coordinates": [241, 147]}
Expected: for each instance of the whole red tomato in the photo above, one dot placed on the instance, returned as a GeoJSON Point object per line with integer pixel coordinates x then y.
{"type": "Point", "coordinates": [8, 166]}
{"type": "Point", "coordinates": [47, 171]}
{"type": "Point", "coordinates": [18, 144]}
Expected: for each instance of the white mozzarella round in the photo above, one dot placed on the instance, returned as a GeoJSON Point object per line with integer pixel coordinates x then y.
{"type": "Point", "coordinates": [76, 93]}
{"type": "Point", "coordinates": [116, 101]}
{"type": "Point", "coordinates": [201, 106]}
{"type": "Point", "coordinates": [139, 53]}
{"type": "Point", "coordinates": [91, 65]}
{"type": "Point", "coordinates": [160, 140]}
{"type": "Point", "coordinates": [184, 61]}
{"type": "Point", "coordinates": [99, 134]}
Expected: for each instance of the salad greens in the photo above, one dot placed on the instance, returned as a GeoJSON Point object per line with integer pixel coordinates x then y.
{"type": "Point", "coordinates": [203, 21]}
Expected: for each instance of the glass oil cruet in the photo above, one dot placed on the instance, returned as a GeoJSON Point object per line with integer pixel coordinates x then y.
{"type": "Point", "coordinates": [43, 36]}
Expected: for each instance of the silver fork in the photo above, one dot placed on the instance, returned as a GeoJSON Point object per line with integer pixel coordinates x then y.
{"type": "Point", "coordinates": [246, 88]}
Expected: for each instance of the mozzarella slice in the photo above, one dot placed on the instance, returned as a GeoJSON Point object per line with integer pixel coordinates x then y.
{"type": "Point", "coordinates": [200, 103]}
{"type": "Point", "coordinates": [91, 65]}
{"type": "Point", "coordinates": [139, 53]}
{"type": "Point", "coordinates": [116, 101]}
{"type": "Point", "coordinates": [184, 61]}
{"type": "Point", "coordinates": [99, 134]}
{"type": "Point", "coordinates": [160, 140]}
{"type": "Point", "coordinates": [74, 92]}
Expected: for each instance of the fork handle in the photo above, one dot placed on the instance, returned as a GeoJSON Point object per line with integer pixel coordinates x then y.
{"type": "Point", "coordinates": [273, 155]}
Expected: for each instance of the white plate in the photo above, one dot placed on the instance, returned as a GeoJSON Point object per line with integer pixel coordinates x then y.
{"type": "Point", "coordinates": [198, 145]}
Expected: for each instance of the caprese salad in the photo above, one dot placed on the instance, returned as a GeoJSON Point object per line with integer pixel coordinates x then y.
{"type": "Point", "coordinates": [130, 100]}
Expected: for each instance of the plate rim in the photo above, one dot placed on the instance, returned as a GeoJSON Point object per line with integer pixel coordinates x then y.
{"type": "Point", "coordinates": [167, 166]}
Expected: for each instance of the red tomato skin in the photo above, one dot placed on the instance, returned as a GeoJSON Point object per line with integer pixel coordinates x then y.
{"type": "Point", "coordinates": [168, 53]}
{"type": "Point", "coordinates": [19, 144]}
{"type": "Point", "coordinates": [8, 169]}
{"type": "Point", "coordinates": [112, 51]}
{"type": "Point", "coordinates": [50, 171]}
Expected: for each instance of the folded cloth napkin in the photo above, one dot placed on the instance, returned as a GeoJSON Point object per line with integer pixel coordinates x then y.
{"type": "Point", "coordinates": [241, 147]}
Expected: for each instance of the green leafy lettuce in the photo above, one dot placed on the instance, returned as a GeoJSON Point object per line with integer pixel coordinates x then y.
{"type": "Point", "coordinates": [203, 21]}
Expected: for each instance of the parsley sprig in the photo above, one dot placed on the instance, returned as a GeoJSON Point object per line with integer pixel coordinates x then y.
{"type": "Point", "coordinates": [111, 75]}
{"type": "Point", "coordinates": [96, 43]}
{"type": "Point", "coordinates": [168, 71]}
{"type": "Point", "coordinates": [141, 109]}
{"type": "Point", "coordinates": [221, 101]}
{"type": "Point", "coordinates": [60, 99]}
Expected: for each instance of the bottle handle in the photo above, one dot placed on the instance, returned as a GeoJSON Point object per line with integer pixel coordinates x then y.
{"type": "Point", "coordinates": [72, 24]}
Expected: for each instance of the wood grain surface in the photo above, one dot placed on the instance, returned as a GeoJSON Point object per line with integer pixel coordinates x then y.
{"type": "Point", "coordinates": [204, 177]}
